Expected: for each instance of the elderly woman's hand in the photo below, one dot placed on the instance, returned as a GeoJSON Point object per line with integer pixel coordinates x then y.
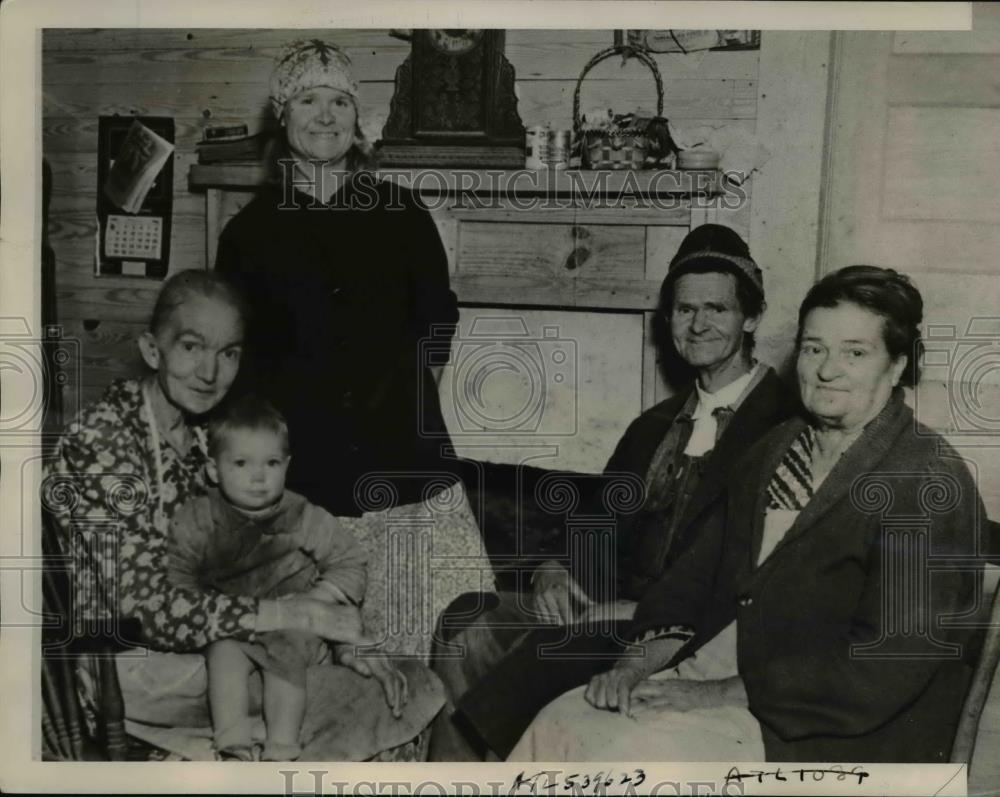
{"type": "Point", "coordinates": [331, 621]}
{"type": "Point", "coordinates": [380, 668]}
{"type": "Point", "coordinates": [681, 694]}
{"type": "Point", "coordinates": [612, 690]}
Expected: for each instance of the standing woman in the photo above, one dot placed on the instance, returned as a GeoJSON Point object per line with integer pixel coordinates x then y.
{"type": "Point", "coordinates": [345, 275]}
{"type": "Point", "coordinates": [348, 281]}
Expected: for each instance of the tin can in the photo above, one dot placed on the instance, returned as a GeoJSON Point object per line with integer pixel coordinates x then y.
{"type": "Point", "coordinates": [558, 149]}
{"type": "Point", "coordinates": [534, 147]}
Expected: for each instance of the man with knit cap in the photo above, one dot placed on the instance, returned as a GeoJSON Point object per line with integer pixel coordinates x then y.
{"type": "Point", "coordinates": [711, 300]}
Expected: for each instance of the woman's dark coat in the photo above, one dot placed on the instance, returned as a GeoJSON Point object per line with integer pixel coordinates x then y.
{"type": "Point", "coordinates": [350, 305]}
{"type": "Point", "coordinates": [851, 642]}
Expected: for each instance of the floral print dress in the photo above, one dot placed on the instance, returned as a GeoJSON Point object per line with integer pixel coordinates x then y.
{"type": "Point", "coordinates": [112, 510]}
{"type": "Point", "coordinates": [112, 498]}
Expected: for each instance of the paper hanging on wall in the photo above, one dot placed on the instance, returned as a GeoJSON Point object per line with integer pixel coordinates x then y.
{"type": "Point", "coordinates": [687, 41]}
{"type": "Point", "coordinates": [134, 171]}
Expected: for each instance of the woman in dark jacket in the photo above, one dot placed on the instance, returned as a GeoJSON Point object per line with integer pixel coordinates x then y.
{"type": "Point", "coordinates": [351, 319]}
{"type": "Point", "coordinates": [813, 624]}
{"type": "Point", "coordinates": [348, 285]}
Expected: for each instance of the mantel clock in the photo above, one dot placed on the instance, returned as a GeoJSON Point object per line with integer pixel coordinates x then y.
{"type": "Point", "coordinates": [454, 103]}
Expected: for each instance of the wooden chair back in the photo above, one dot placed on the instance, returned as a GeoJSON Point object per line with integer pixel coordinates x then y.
{"type": "Point", "coordinates": [977, 739]}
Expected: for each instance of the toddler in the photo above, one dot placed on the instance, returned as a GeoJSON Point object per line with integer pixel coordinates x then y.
{"type": "Point", "coordinates": [249, 536]}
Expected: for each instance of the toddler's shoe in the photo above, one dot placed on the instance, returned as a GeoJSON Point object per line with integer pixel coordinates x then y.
{"type": "Point", "coordinates": [280, 751]}
{"type": "Point", "coordinates": [239, 752]}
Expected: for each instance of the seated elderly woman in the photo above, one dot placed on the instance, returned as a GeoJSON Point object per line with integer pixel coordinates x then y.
{"type": "Point", "coordinates": [808, 625]}
{"type": "Point", "coordinates": [119, 473]}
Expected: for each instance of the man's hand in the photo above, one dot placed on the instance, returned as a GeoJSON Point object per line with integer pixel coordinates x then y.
{"type": "Point", "coordinates": [383, 670]}
{"type": "Point", "coordinates": [554, 591]}
{"type": "Point", "coordinates": [612, 690]}
{"type": "Point", "coordinates": [609, 612]}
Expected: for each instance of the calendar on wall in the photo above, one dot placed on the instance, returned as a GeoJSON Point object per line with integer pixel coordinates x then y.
{"type": "Point", "coordinates": [135, 178]}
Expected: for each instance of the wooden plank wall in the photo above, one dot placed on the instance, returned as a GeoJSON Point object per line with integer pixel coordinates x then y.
{"type": "Point", "coordinates": [204, 77]}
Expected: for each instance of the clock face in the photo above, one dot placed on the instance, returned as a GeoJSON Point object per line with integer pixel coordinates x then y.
{"type": "Point", "coordinates": [454, 41]}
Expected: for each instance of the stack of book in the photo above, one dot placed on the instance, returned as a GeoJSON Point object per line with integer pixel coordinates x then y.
{"type": "Point", "coordinates": [230, 144]}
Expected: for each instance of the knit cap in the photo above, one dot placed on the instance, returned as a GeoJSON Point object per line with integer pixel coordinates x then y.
{"type": "Point", "coordinates": [303, 65]}
{"type": "Point", "coordinates": [719, 247]}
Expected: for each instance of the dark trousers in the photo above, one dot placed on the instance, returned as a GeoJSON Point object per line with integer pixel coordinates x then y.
{"type": "Point", "coordinates": [511, 667]}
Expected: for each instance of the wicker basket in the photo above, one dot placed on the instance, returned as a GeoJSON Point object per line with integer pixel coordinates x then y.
{"type": "Point", "coordinates": [604, 149]}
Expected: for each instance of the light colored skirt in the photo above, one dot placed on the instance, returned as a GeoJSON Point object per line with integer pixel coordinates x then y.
{"type": "Point", "coordinates": [347, 718]}
{"type": "Point", "coordinates": [570, 729]}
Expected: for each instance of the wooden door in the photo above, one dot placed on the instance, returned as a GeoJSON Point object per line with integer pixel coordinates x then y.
{"type": "Point", "coordinates": [911, 181]}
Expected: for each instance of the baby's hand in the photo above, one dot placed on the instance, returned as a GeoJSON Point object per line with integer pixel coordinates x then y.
{"type": "Point", "coordinates": [327, 592]}
{"type": "Point", "coordinates": [382, 669]}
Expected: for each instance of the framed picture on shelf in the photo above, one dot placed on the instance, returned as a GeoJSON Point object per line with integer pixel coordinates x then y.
{"type": "Point", "coordinates": [686, 41]}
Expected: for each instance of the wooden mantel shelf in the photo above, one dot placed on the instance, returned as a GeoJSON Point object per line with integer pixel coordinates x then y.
{"type": "Point", "coordinates": [432, 181]}
{"type": "Point", "coordinates": [509, 246]}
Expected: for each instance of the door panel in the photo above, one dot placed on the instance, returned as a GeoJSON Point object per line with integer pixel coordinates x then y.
{"type": "Point", "coordinates": [911, 183]}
